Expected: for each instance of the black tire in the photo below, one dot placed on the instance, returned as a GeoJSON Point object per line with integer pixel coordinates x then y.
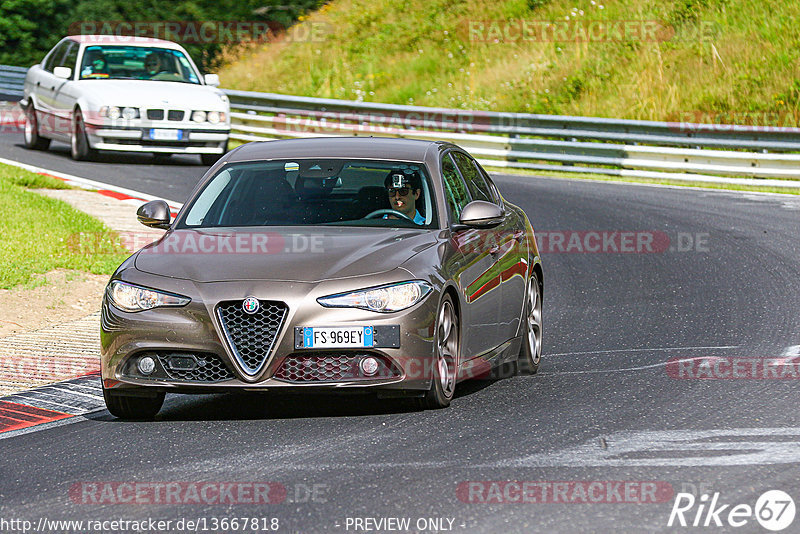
{"type": "Point", "coordinates": [33, 140]}
{"type": "Point", "coordinates": [129, 407]}
{"type": "Point", "coordinates": [530, 353]}
{"type": "Point", "coordinates": [447, 347]}
{"type": "Point", "coordinates": [79, 144]}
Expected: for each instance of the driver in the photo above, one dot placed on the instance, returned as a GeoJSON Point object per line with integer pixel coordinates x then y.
{"type": "Point", "coordinates": [152, 64]}
{"type": "Point", "coordinates": [404, 190]}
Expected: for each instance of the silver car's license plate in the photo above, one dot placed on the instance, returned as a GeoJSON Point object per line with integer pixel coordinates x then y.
{"type": "Point", "coordinates": [157, 134]}
{"type": "Point", "coordinates": [338, 337]}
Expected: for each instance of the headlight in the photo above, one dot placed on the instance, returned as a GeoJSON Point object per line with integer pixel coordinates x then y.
{"type": "Point", "coordinates": [391, 298]}
{"type": "Point", "coordinates": [131, 298]}
{"type": "Point", "coordinates": [130, 113]}
{"type": "Point", "coordinates": [199, 116]}
{"type": "Point", "coordinates": [113, 112]}
{"type": "Point", "coordinates": [213, 117]}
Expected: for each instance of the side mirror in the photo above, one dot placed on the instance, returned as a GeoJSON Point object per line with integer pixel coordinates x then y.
{"type": "Point", "coordinates": [154, 214]}
{"type": "Point", "coordinates": [212, 80]}
{"type": "Point", "coordinates": [62, 72]}
{"type": "Point", "coordinates": [481, 214]}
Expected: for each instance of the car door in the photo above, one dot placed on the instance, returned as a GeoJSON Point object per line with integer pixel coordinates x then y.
{"type": "Point", "coordinates": [502, 245]}
{"type": "Point", "coordinates": [65, 92]}
{"type": "Point", "coordinates": [514, 263]}
{"type": "Point", "coordinates": [477, 274]}
{"type": "Point", "coordinates": [45, 86]}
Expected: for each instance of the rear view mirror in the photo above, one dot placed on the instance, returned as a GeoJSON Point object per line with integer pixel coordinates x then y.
{"type": "Point", "coordinates": [481, 214]}
{"type": "Point", "coordinates": [154, 214]}
{"type": "Point", "coordinates": [212, 80]}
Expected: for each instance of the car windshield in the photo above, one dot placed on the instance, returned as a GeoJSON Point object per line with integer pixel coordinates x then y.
{"type": "Point", "coordinates": [136, 62]}
{"type": "Point", "coordinates": [308, 192]}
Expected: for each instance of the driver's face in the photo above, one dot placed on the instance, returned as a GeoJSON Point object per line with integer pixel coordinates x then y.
{"type": "Point", "coordinates": [152, 65]}
{"type": "Point", "coordinates": [404, 203]}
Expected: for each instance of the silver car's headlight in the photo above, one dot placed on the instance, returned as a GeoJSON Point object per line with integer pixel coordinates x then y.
{"type": "Point", "coordinates": [199, 116]}
{"type": "Point", "coordinates": [133, 298]}
{"type": "Point", "coordinates": [112, 112]}
{"type": "Point", "coordinates": [389, 298]}
{"type": "Point", "coordinates": [212, 117]}
{"type": "Point", "coordinates": [130, 113]}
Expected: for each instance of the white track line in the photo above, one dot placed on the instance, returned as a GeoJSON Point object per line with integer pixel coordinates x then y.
{"type": "Point", "coordinates": [90, 184]}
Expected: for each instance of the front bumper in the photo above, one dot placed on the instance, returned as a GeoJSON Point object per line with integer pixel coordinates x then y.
{"type": "Point", "coordinates": [193, 140]}
{"type": "Point", "coordinates": [195, 331]}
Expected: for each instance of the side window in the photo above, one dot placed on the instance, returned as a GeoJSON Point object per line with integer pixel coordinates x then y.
{"type": "Point", "coordinates": [492, 187]}
{"type": "Point", "coordinates": [455, 191]}
{"type": "Point", "coordinates": [53, 60]}
{"type": "Point", "coordinates": [71, 57]}
{"type": "Point", "coordinates": [475, 182]}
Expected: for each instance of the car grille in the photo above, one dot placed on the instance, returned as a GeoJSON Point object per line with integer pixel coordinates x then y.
{"type": "Point", "coordinates": [175, 115]}
{"type": "Point", "coordinates": [251, 336]}
{"type": "Point", "coordinates": [330, 367]}
{"type": "Point", "coordinates": [155, 114]}
{"type": "Point", "coordinates": [209, 369]}
{"type": "Point", "coordinates": [172, 114]}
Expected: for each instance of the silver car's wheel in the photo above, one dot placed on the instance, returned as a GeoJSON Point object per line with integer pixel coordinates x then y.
{"type": "Point", "coordinates": [531, 351]}
{"type": "Point", "coordinates": [445, 367]}
{"type": "Point", "coordinates": [31, 132]}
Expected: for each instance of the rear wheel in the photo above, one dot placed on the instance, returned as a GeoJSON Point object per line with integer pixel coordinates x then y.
{"type": "Point", "coordinates": [530, 353]}
{"type": "Point", "coordinates": [32, 138]}
{"type": "Point", "coordinates": [79, 143]}
{"type": "Point", "coordinates": [445, 367]}
{"type": "Point", "coordinates": [130, 407]}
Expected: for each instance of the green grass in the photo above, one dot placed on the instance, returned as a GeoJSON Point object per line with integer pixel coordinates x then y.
{"type": "Point", "coordinates": [714, 61]}
{"type": "Point", "coordinates": [41, 234]}
{"type": "Point", "coordinates": [30, 180]}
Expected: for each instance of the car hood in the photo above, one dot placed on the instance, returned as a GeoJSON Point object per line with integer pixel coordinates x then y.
{"type": "Point", "coordinates": [281, 254]}
{"type": "Point", "coordinates": [152, 94]}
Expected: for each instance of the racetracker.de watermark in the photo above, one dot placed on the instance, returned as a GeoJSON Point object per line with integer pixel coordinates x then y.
{"type": "Point", "coordinates": [735, 122]}
{"type": "Point", "coordinates": [581, 31]}
{"type": "Point", "coordinates": [204, 32]}
{"type": "Point", "coordinates": [734, 368]}
{"type": "Point", "coordinates": [138, 492]}
{"type": "Point", "coordinates": [620, 241]}
{"type": "Point", "coordinates": [564, 492]}
{"type": "Point", "coordinates": [191, 242]}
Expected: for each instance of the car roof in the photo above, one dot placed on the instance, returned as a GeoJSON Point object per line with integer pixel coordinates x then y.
{"type": "Point", "coordinates": [123, 39]}
{"type": "Point", "coordinates": [338, 147]}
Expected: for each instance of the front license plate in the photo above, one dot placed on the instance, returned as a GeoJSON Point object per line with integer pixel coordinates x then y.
{"type": "Point", "coordinates": [338, 337]}
{"type": "Point", "coordinates": [165, 135]}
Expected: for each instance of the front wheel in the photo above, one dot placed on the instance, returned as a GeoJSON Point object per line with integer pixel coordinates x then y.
{"type": "Point", "coordinates": [79, 143]}
{"type": "Point", "coordinates": [530, 353]}
{"type": "Point", "coordinates": [130, 407]}
{"type": "Point", "coordinates": [32, 138]}
{"type": "Point", "coordinates": [445, 367]}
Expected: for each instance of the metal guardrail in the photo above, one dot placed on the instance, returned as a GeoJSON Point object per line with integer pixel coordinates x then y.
{"type": "Point", "coordinates": [649, 149]}
{"type": "Point", "coordinates": [12, 81]}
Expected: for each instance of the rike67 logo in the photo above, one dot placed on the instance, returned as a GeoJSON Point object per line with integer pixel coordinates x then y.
{"type": "Point", "coordinates": [774, 510]}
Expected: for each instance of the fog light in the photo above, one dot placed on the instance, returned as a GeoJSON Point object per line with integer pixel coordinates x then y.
{"type": "Point", "coordinates": [146, 365]}
{"type": "Point", "coordinates": [369, 366]}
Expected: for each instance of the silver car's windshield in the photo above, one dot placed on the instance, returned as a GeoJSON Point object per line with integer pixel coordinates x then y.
{"type": "Point", "coordinates": [307, 192]}
{"type": "Point", "coordinates": [104, 62]}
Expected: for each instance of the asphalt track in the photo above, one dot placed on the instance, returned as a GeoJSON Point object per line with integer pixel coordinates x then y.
{"type": "Point", "coordinates": [603, 407]}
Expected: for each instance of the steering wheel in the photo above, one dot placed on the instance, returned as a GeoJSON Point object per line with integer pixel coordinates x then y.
{"type": "Point", "coordinates": [378, 213]}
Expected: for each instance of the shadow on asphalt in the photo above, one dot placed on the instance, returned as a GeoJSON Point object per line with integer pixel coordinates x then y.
{"type": "Point", "coordinates": [275, 405]}
{"type": "Point", "coordinates": [125, 158]}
